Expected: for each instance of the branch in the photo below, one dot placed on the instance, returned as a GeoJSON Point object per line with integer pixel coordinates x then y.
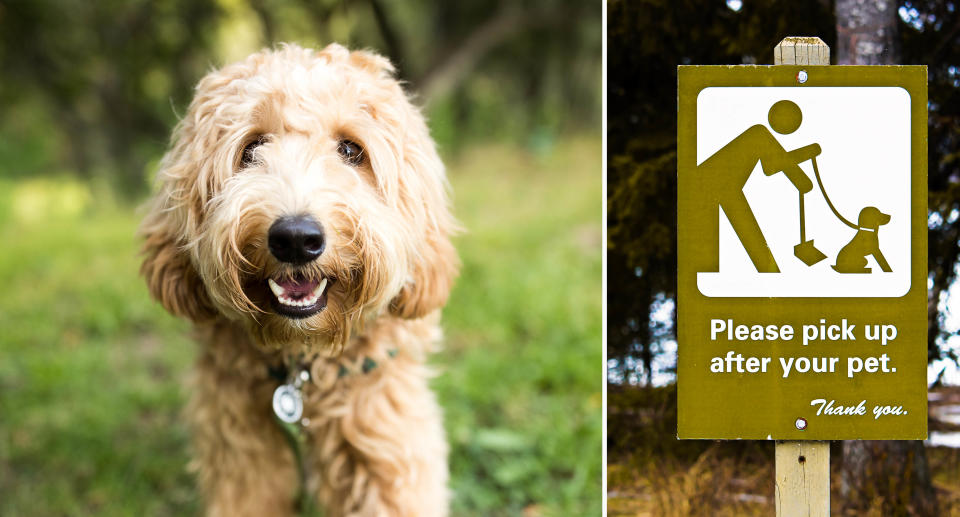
{"type": "Point", "coordinates": [321, 15]}
{"type": "Point", "coordinates": [452, 69]}
{"type": "Point", "coordinates": [266, 21]}
{"type": "Point", "coordinates": [394, 46]}
{"type": "Point", "coordinates": [945, 41]}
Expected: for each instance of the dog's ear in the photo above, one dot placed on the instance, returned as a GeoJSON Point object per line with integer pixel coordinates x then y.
{"type": "Point", "coordinates": [174, 214]}
{"type": "Point", "coordinates": [430, 280]}
{"type": "Point", "coordinates": [871, 217]}
{"type": "Point", "coordinates": [434, 264]}
{"type": "Point", "coordinates": [170, 276]}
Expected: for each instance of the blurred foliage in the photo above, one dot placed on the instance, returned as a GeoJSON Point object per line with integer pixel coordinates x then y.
{"type": "Point", "coordinates": [930, 35]}
{"type": "Point", "coordinates": [522, 390]}
{"type": "Point", "coordinates": [88, 86]}
{"type": "Point", "coordinates": [91, 368]}
{"type": "Point", "coordinates": [647, 39]}
{"type": "Point", "coordinates": [93, 88]}
{"type": "Point", "coordinates": [661, 475]}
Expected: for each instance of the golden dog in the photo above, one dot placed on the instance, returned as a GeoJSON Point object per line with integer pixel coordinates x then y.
{"type": "Point", "coordinates": [302, 223]}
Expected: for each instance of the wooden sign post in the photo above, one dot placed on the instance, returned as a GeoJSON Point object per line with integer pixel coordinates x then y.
{"type": "Point", "coordinates": [802, 468]}
{"type": "Point", "coordinates": [802, 259]}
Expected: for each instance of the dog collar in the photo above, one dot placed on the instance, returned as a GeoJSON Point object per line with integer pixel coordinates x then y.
{"type": "Point", "coordinates": [288, 397]}
{"type": "Point", "coordinates": [281, 372]}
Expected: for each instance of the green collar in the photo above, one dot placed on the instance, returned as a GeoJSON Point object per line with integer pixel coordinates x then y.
{"type": "Point", "coordinates": [281, 372]}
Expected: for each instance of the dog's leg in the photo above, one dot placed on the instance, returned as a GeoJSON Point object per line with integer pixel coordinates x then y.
{"type": "Point", "coordinates": [378, 445]}
{"type": "Point", "coordinates": [882, 261]}
{"type": "Point", "coordinates": [244, 464]}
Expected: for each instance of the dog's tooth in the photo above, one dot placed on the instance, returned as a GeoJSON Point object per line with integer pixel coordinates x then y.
{"type": "Point", "coordinates": [275, 287]}
{"type": "Point", "coordinates": [306, 301]}
{"type": "Point", "coordinates": [320, 286]}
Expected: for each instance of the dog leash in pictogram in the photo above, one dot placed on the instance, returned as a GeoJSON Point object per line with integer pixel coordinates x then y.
{"type": "Point", "coordinates": [816, 172]}
{"type": "Point", "coordinates": [806, 251]}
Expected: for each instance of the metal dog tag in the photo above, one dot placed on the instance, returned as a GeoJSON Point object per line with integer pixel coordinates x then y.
{"type": "Point", "coordinates": [288, 403]}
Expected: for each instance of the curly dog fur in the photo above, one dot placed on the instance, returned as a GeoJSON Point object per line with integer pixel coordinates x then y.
{"type": "Point", "coordinates": [265, 139]}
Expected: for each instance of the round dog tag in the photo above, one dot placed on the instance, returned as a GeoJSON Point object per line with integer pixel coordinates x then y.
{"type": "Point", "coordinates": [288, 403]}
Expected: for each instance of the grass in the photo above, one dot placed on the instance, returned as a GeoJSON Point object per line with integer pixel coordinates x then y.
{"type": "Point", "coordinates": [91, 369]}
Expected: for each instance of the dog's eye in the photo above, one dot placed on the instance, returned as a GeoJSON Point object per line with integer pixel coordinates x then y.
{"type": "Point", "coordinates": [351, 152]}
{"type": "Point", "coordinates": [249, 149]}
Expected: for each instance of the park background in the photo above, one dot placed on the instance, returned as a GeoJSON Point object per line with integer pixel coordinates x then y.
{"type": "Point", "coordinates": [649, 471]}
{"type": "Point", "coordinates": [91, 368]}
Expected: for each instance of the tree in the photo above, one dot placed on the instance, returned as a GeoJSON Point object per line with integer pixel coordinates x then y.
{"type": "Point", "coordinates": [894, 472]}
{"type": "Point", "coordinates": [97, 92]}
{"type": "Point", "coordinates": [646, 41]}
{"type": "Point", "coordinates": [107, 74]}
{"type": "Point", "coordinates": [929, 35]}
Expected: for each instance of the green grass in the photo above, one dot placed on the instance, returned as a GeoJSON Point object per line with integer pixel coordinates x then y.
{"type": "Point", "coordinates": [91, 369]}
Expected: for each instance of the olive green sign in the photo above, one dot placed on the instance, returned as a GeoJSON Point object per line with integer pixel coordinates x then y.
{"type": "Point", "coordinates": [802, 245]}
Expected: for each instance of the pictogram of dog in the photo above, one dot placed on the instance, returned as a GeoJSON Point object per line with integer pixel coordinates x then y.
{"type": "Point", "coordinates": [852, 258]}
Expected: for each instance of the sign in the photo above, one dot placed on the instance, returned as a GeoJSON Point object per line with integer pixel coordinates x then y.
{"type": "Point", "coordinates": [802, 245]}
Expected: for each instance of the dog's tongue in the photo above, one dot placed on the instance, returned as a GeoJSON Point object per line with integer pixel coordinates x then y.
{"type": "Point", "coordinates": [297, 288]}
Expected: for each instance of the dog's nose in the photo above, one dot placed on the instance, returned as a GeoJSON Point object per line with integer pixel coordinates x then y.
{"type": "Point", "coordinates": [296, 239]}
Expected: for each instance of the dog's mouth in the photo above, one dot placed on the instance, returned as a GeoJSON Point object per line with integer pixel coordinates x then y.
{"type": "Point", "coordinates": [299, 297]}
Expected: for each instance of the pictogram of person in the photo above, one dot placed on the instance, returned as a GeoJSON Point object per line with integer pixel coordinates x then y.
{"type": "Point", "coordinates": [725, 173]}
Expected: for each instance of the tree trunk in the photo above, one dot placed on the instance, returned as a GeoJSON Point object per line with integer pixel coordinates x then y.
{"type": "Point", "coordinates": [890, 476]}
{"type": "Point", "coordinates": [388, 31]}
{"type": "Point", "coordinates": [867, 32]}
{"type": "Point", "coordinates": [511, 19]}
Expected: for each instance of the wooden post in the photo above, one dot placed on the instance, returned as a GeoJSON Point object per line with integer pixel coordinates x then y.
{"type": "Point", "coordinates": [801, 51]}
{"type": "Point", "coordinates": [803, 467]}
{"type": "Point", "coordinates": [803, 479]}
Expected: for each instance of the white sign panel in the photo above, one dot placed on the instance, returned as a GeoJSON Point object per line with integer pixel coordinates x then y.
{"type": "Point", "coordinates": [853, 236]}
